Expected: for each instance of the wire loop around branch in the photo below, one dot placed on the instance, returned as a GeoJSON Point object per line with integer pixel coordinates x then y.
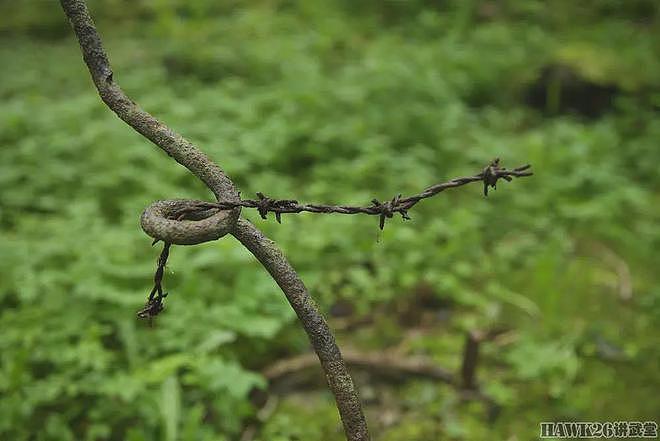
{"type": "Point", "coordinates": [186, 222]}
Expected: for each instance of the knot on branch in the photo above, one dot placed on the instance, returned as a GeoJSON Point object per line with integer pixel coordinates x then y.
{"type": "Point", "coordinates": [387, 209]}
{"type": "Point", "coordinates": [493, 172]}
{"type": "Point", "coordinates": [265, 204]}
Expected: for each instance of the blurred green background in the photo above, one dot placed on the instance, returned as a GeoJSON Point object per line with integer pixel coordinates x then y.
{"type": "Point", "coordinates": [334, 102]}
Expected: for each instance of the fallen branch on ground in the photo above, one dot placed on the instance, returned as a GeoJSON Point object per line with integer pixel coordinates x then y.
{"type": "Point", "coordinates": [383, 363]}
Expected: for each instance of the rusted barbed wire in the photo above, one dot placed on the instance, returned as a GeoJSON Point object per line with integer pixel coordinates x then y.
{"type": "Point", "coordinates": [385, 210]}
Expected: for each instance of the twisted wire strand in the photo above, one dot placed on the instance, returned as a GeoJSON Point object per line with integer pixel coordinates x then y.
{"type": "Point", "coordinates": [385, 210]}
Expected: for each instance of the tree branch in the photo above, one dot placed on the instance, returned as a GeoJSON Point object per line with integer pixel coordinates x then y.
{"type": "Point", "coordinates": [175, 145]}
{"type": "Point", "coordinates": [182, 150]}
{"type": "Point", "coordinates": [339, 380]}
{"type": "Point", "coordinates": [168, 217]}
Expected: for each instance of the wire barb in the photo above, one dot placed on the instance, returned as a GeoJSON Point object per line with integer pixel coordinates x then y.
{"type": "Point", "coordinates": [265, 204]}
{"type": "Point", "coordinates": [493, 172]}
{"type": "Point", "coordinates": [387, 209]}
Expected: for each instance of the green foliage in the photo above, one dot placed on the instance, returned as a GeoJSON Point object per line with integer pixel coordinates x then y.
{"type": "Point", "coordinates": [335, 102]}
